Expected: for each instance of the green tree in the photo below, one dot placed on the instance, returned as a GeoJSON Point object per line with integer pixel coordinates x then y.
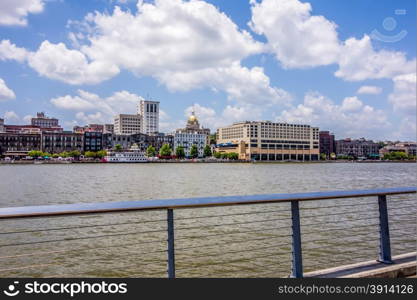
{"type": "Point", "coordinates": [194, 151]}
{"type": "Point", "coordinates": [151, 151]}
{"type": "Point", "coordinates": [323, 156]}
{"type": "Point", "coordinates": [207, 151]}
{"type": "Point", "coordinates": [101, 153]}
{"type": "Point", "coordinates": [213, 139]}
{"type": "Point", "coordinates": [165, 150]}
{"type": "Point", "coordinates": [217, 154]}
{"type": "Point", "coordinates": [179, 152]}
{"type": "Point", "coordinates": [118, 148]}
{"type": "Point", "coordinates": [35, 153]}
{"type": "Point", "coordinates": [90, 154]}
{"type": "Point", "coordinates": [74, 153]}
{"type": "Point", "coordinates": [233, 156]}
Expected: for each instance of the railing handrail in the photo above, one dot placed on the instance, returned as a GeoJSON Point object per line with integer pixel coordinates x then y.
{"type": "Point", "coordinates": [123, 206]}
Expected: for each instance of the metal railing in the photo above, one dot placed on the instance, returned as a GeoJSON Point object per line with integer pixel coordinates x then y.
{"type": "Point", "coordinates": [245, 243]}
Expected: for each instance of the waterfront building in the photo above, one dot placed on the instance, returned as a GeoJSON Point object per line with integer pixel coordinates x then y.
{"type": "Point", "coordinates": [143, 141]}
{"type": "Point", "coordinates": [57, 142]}
{"type": "Point", "coordinates": [408, 148]}
{"type": "Point", "coordinates": [93, 141]}
{"type": "Point", "coordinates": [149, 112]}
{"type": "Point", "coordinates": [19, 144]}
{"type": "Point", "coordinates": [43, 121]}
{"type": "Point", "coordinates": [2, 125]}
{"type": "Point", "coordinates": [108, 128]}
{"type": "Point", "coordinates": [191, 135]}
{"type": "Point", "coordinates": [357, 148]}
{"type": "Point", "coordinates": [127, 124]}
{"type": "Point", "coordinates": [327, 143]}
{"type": "Point", "coordinates": [265, 140]}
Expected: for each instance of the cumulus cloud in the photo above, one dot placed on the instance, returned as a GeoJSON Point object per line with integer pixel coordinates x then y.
{"type": "Point", "coordinates": [360, 61]}
{"type": "Point", "coordinates": [403, 98]}
{"type": "Point", "coordinates": [9, 51]}
{"type": "Point", "coordinates": [5, 92]}
{"type": "Point", "coordinates": [352, 118]}
{"type": "Point", "coordinates": [15, 12]}
{"type": "Point", "coordinates": [91, 108]}
{"type": "Point", "coordinates": [300, 39]}
{"type": "Point", "coordinates": [10, 117]}
{"type": "Point", "coordinates": [370, 90]}
{"type": "Point", "coordinates": [56, 61]}
{"type": "Point", "coordinates": [183, 44]}
{"type": "Point", "coordinates": [297, 38]}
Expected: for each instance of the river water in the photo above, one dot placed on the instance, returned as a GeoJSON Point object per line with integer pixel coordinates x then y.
{"type": "Point", "coordinates": [244, 241]}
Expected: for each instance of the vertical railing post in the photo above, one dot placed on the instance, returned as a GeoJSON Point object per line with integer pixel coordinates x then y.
{"type": "Point", "coordinates": [171, 245]}
{"type": "Point", "coordinates": [384, 238]}
{"type": "Point", "coordinates": [297, 259]}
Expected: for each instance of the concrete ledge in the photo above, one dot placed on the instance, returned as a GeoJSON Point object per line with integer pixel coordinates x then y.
{"type": "Point", "coordinates": [404, 266]}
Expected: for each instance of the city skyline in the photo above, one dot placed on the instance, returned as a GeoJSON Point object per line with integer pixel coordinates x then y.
{"type": "Point", "coordinates": [84, 62]}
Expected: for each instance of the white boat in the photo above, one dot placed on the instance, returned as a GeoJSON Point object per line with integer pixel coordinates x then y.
{"type": "Point", "coordinates": [133, 155]}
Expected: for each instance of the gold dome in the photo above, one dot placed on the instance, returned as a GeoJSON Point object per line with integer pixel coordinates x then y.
{"type": "Point", "coordinates": [192, 118]}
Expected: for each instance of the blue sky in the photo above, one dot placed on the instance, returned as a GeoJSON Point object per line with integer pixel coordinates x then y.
{"type": "Point", "coordinates": [345, 66]}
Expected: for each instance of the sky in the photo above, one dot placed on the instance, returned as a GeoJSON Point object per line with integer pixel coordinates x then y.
{"type": "Point", "coordinates": [344, 66]}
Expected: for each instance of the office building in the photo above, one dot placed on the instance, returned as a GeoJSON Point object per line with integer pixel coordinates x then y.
{"type": "Point", "coordinates": [127, 124]}
{"type": "Point", "coordinates": [43, 121]}
{"type": "Point", "coordinates": [149, 111]}
{"type": "Point", "coordinates": [357, 148]}
{"type": "Point", "coordinates": [2, 125]}
{"type": "Point", "coordinates": [268, 141]}
{"type": "Point", "coordinates": [327, 143]}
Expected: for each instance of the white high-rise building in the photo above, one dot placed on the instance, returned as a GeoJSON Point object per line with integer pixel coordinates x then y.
{"type": "Point", "coordinates": [149, 111]}
{"type": "Point", "coordinates": [127, 124]}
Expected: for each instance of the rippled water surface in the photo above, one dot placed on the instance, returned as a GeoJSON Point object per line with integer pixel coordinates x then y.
{"type": "Point", "coordinates": [243, 241]}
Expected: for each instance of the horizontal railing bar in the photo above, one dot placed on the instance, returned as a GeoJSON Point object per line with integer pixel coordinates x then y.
{"type": "Point", "coordinates": [398, 215]}
{"type": "Point", "coordinates": [356, 248]}
{"type": "Point", "coordinates": [228, 243]}
{"type": "Point", "coordinates": [230, 224]}
{"type": "Point", "coordinates": [230, 261]}
{"type": "Point", "coordinates": [79, 238]}
{"type": "Point", "coordinates": [234, 214]}
{"type": "Point", "coordinates": [337, 206]}
{"type": "Point", "coordinates": [342, 228]}
{"type": "Point", "coordinates": [340, 213]}
{"type": "Point", "coordinates": [111, 207]}
{"type": "Point", "coordinates": [229, 233]}
{"type": "Point", "coordinates": [77, 227]}
{"type": "Point", "coordinates": [402, 207]}
{"type": "Point", "coordinates": [333, 239]}
{"type": "Point", "coordinates": [237, 251]}
{"type": "Point", "coordinates": [348, 220]}
{"type": "Point", "coordinates": [78, 250]}
{"type": "Point", "coordinates": [27, 267]}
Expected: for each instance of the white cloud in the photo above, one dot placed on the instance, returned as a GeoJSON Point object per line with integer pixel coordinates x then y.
{"type": "Point", "coordinates": [56, 61]}
{"type": "Point", "coordinates": [10, 117]}
{"type": "Point", "coordinates": [91, 108]}
{"type": "Point", "coordinates": [370, 90]}
{"type": "Point", "coordinates": [15, 12]}
{"type": "Point", "coordinates": [9, 51]}
{"type": "Point", "coordinates": [209, 118]}
{"type": "Point", "coordinates": [297, 38]}
{"type": "Point", "coordinates": [350, 119]}
{"type": "Point", "coordinates": [403, 98]}
{"type": "Point", "coordinates": [359, 61]}
{"type": "Point", "coordinates": [246, 86]}
{"type": "Point", "coordinates": [5, 92]}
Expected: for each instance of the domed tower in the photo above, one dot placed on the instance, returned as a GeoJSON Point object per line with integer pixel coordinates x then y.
{"type": "Point", "coordinates": [192, 123]}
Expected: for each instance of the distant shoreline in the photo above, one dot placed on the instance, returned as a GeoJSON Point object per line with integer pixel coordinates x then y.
{"type": "Point", "coordinates": [31, 162]}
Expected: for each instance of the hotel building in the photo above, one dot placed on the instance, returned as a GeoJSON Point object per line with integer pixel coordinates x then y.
{"type": "Point", "coordinates": [127, 124]}
{"type": "Point", "coordinates": [149, 110]}
{"type": "Point", "coordinates": [268, 141]}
